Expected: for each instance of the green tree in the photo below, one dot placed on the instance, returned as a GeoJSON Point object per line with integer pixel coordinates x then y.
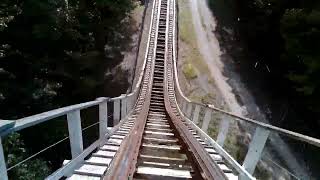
{"type": "Point", "coordinates": [300, 30]}
{"type": "Point", "coordinates": [34, 169]}
{"type": "Point", "coordinates": [55, 53]}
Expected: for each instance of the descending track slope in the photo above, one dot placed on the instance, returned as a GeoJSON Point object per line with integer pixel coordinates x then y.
{"type": "Point", "coordinates": [154, 141]}
{"type": "Point", "coordinates": [159, 144]}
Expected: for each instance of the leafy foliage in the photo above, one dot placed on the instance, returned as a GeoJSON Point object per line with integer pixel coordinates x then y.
{"type": "Point", "coordinates": [284, 35]}
{"type": "Point", "coordinates": [300, 29]}
{"type": "Point", "coordinates": [55, 53]}
{"type": "Point", "coordinates": [189, 71]}
{"type": "Point", "coordinates": [30, 170]}
{"type": "Point", "coordinates": [49, 46]}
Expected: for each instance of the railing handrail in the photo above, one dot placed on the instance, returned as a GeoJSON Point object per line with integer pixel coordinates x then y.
{"type": "Point", "coordinates": [295, 135]}
{"type": "Point", "coordinates": [136, 89]}
{"type": "Point", "coordinates": [28, 121]}
{"type": "Point", "coordinates": [22, 123]}
{"type": "Point", "coordinates": [42, 117]}
{"type": "Point", "coordinates": [240, 169]}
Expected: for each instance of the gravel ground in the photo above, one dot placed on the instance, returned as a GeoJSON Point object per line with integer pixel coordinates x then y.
{"type": "Point", "coordinates": [208, 45]}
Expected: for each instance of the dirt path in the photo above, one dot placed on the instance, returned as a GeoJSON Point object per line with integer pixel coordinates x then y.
{"type": "Point", "coordinates": [208, 45]}
{"type": "Point", "coordinates": [209, 48]}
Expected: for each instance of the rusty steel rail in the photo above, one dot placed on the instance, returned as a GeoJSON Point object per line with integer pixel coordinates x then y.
{"type": "Point", "coordinates": [158, 109]}
{"type": "Point", "coordinates": [122, 165]}
{"type": "Point", "coordinates": [151, 138]}
{"type": "Point", "coordinates": [209, 167]}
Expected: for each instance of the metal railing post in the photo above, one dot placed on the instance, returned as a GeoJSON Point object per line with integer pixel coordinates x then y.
{"type": "Point", "coordinates": [136, 96]}
{"type": "Point", "coordinates": [3, 168]}
{"type": "Point", "coordinates": [116, 111]}
{"type": "Point", "coordinates": [255, 149]}
{"type": "Point", "coordinates": [123, 106]}
{"type": "Point", "coordinates": [189, 110]}
{"type": "Point", "coordinates": [184, 106]}
{"type": "Point", "coordinates": [75, 133]}
{"type": "Point", "coordinates": [196, 112]}
{"type": "Point", "coordinates": [223, 130]}
{"type": "Point", "coordinates": [206, 120]}
{"type": "Point", "coordinates": [132, 102]}
{"type": "Point", "coordinates": [103, 118]}
{"type": "Point", "coordinates": [129, 104]}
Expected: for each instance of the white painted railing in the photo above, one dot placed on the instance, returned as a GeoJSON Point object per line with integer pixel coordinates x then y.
{"type": "Point", "coordinates": [122, 106]}
{"type": "Point", "coordinates": [191, 110]}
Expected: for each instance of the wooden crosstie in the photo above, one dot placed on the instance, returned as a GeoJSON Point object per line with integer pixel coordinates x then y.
{"type": "Point", "coordinates": [157, 132]}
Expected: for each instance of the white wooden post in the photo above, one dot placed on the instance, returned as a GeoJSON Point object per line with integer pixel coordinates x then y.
{"type": "Point", "coordinates": [206, 120]}
{"type": "Point", "coordinates": [129, 104]}
{"type": "Point", "coordinates": [184, 106]}
{"type": "Point", "coordinates": [75, 133]}
{"type": "Point", "coordinates": [116, 111]}
{"type": "Point", "coordinates": [123, 106]}
{"type": "Point", "coordinates": [196, 112]}
{"type": "Point", "coordinates": [223, 130]}
{"type": "Point", "coordinates": [103, 118]}
{"type": "Point", "coordinates": [132, 102]}
{"type": "Point", "coordinates": [189, 110]}
{"type": "Point", "coordinates": [3, 168]}
{"type": "Point", "coordinates": [135, 99]}
{"type": "Point", "coordinates": [255, 149]}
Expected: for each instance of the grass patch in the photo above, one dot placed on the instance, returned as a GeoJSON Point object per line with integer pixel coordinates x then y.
{"type": "Point", "coordinates": [211, 81]}
{"type": "Point", "coordinates": [208, 98]}
{"type": "Point", "coordinates": [188, 36]}
{"type": "Point", "coordinates": [189, 71]}
{"type": "Point", "coordinates": [190, 54]}
{"type": "Point", "coordinates": [196, 98]}
{"type": "Point", "coordinates": [186, 30]}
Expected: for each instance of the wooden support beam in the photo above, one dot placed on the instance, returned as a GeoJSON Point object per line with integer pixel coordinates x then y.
{"type": "Point", "coordinates": [123, 106]}
{"type": "Point", "coordinates": [255, 149]}
{"type": "Point", "coordinates": [206, 120]}
{"type": "Point", "coordinates": [103, 119]}
{"type": "Point", "coordinates": [184, 106]}
{"type": "Point", "coordinates": [133, 101]}
{"type": "Point", "coordinates": [189, 110]}
{"type": "Point", "coordinates": [196, 112]}
{"type": "Point", "coordinates": [75, 133]}
{"type": "Point", "coordinates": [116, 111]}
{"type": "Point", "coordinates": [223, 130]}
{"type": "Point", "coordinates": [3, 168]}
{"type": "Point", "coordinates": [129, 104]}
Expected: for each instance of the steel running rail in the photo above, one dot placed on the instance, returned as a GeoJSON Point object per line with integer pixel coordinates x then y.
{"type": "Point", "coordinates": [184, 115]}
{"type": "Point", "coordinates": [122, 106]}
{"type": "Point", "coordinates": [191, 110]}
{"type": "Point", "coordinates": [158, 139]}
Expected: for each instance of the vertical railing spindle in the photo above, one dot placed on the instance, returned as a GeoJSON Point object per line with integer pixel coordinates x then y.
{"type": "Point", "coordinates": [206, 120]}
{"type": "Point", "coordinates": [255, 149]}
{"type": "Point", "coordinates": [129, 104]}
{"type": "Point", "coordinates": [123, 106]}
{"type": "Point", "coordinates": [196, 112]}
{"type": "Point", "coordinates": [3, 168]}
{"type": "Point", "coordinates": [75, 133]}
{"type": "Point", "coordinates": [223, 130]}
{"type": "Point", "coordinates": [103, 118]}
{"type": "Point", "coordinates": [184, 106]}
{"type": "Point", "coordinates": [116, 111]}
{"type": "Point", "coordinates": [189, 110]}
